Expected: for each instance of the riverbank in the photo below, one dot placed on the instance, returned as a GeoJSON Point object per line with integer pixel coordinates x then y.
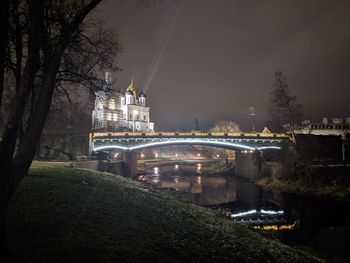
{"type": "Point", "coordinates": [317, 180]}
{"type": "Point", "coordinates": [74, 215]}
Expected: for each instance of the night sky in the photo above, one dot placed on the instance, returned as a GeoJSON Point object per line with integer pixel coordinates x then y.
{"type": "Point", "coordinates": [213, 59]}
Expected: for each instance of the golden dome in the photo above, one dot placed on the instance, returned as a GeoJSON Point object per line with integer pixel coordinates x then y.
{"type": "Point", "coordinates": [132, 87]}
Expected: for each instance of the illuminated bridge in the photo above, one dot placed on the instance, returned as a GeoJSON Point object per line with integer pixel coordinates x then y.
{"type": "Point", "coordinates": [130, 143]}
{"type": "Point", "coordinates": [137, 141]}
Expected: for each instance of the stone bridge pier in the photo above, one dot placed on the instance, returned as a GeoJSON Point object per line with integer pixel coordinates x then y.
{"type": "Point", "coordinates": [248, 163]}
{"type": "Point", "coordinates": [129, 163]}
{"type": "Point", "coordinates": [126, 166]}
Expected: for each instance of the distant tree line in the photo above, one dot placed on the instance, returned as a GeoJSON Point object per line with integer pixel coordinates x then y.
{"type": "Point", "coordinates": [225, 126]}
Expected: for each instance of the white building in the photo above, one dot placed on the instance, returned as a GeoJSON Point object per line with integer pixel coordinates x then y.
{"type": "Point", "coordinates": [118, 111]}
{"type": "Point", "coordinates": [337, 126]}
{"type": "Point", "coordinates": [135, 113]}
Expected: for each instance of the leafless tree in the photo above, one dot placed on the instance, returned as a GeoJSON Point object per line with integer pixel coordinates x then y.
{"type": "Point", "coordinates": [44, 33]}
{"type": "Point", "coordinates": [68, 116]}
{"type": "Point", "coordinates": [284, 108]}
{"type": "Point", "coordinates": [225, 126]}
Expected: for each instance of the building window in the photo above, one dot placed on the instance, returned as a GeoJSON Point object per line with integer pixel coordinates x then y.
{"type": "Point", "coordinates": [137, 117]}
{"type": "Point", "coordinates": [109, 116]}
{"type": "Point", "coordinates": [130, 117]}
{"type": "Point", "coordinates": [144, 117]}
{"type": "Point", "coordinates": [112, 104]}
{"type": "Point", "coordinates": [115, 116]}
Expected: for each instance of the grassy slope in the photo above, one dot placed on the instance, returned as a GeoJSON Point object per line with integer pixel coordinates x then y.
{"type": "Point", "coordinates": [71, 215]}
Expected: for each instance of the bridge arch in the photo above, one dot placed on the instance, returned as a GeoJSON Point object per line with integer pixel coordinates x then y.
{"type": "Point", "coordinates": [130, 143]}
{"type": "Point", "coordinates": [199, 142]}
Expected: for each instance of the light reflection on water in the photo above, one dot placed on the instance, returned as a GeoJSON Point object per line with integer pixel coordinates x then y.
{"type": "Point", "coordinates": [199, 167]}
{"type": "Point", "coordinates": [310, 220]}
{"type": "Point", "coordinates": [176, 179]}
{"type": "Point", "coordinates": [156, 170]}
{"type": "Point", "coordinates": [191, 184]}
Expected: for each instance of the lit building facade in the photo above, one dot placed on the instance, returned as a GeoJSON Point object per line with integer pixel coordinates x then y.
{"type": "Point", "coordinates": [335, 126]}
{"type": "Point", "coordinates": [118, 111]}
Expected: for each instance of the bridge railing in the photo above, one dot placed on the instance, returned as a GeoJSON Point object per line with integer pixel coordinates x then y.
{"type": "Point", "coordinates": [187, 134]}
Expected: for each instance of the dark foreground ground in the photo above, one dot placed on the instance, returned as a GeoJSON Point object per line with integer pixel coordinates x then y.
{"type": "Point", "coordinates": [71, 215]}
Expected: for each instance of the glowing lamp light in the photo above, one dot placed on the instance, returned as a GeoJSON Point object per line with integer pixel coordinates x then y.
{"type": "Point", "coordinates": [142, 155]}
{"type": "Point", "coordinates": [270, 212]}
{"type": "Point", "coordinates": [276, 227]}
{"type": "Point", "coordinates": [156, 155]}
{"type": "Point", "coordinates": [199, 167]}
{"type": "Point", "coordinates": [156, 170]}
{"type": "Point", "coordinates": [218, 155]}
{"type": "Point", "coordinates": [244, 213]}
{"type": "Point", "coordinates": [199, 155]}
{"type": "Point", "coordinates": [182, 141]}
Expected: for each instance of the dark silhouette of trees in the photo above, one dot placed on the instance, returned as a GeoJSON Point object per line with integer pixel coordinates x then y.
{"type": "Point", "coordinates": [284, 109]}
{"type": "Point", "coordinates": [50, 44]}
{"type": "Point", "coordinates": [71, 115]}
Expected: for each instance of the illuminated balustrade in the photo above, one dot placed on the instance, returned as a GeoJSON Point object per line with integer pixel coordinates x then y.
{"type": "Point", "coordinates": [187, 134]}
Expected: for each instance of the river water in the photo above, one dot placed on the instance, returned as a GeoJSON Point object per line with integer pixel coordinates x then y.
{"type": "Point", "coordinates": [317, 224]}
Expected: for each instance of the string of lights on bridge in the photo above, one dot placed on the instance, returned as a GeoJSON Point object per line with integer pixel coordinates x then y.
{"type": "Point", "coordinates": [147, 140]}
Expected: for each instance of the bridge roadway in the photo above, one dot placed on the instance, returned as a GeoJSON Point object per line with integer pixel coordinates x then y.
{"type": "Point", "coordinates": [131, 141]}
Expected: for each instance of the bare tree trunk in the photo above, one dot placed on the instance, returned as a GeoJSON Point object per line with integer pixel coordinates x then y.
{"type": "Point", "coordinates": [18, 168]}
{"type": "Point", "coordinates": [5, 197]}
{"type": "Point", "coordinates": [4, 29]}
{"type": "Point", "coordinates": [15, 165]}
{"type": "Point", "coordinates": [31, 139]}
{"type": "Point", "coordinates": [9, 137]}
